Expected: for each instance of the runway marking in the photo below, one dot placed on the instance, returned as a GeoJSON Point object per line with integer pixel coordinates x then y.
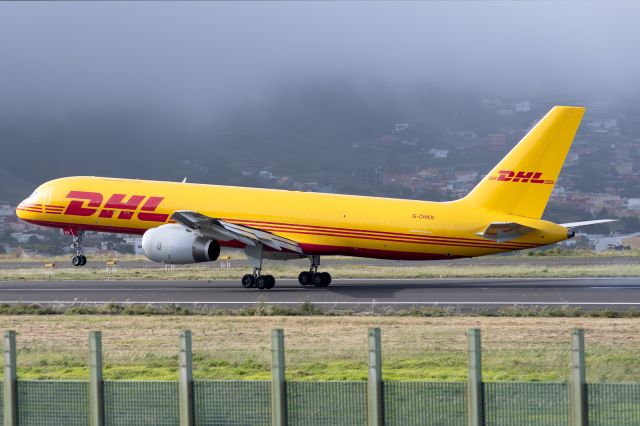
{"type": "Point", "coordinates": [616, 287]}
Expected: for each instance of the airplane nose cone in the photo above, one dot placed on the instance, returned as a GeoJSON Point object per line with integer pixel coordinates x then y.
{"type": "Point", "coordinates": [27, 208]}
{"type": "Point", "coordinates": [20, 210]}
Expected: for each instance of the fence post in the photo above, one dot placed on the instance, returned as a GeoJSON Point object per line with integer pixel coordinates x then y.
{"type": "Point", "coordinates": [375, 378]}
{"type": "Point", "coordinates": [578, 387]}
{"type": "Point", "coordinates": [278, 385]}
{"type": "Point", "coordinates": [474, 385]}
{"type": "Point", "coordinates": [10, 379]}
{"type": "Point", "coordinates": [185, 385]}
{"type": "Point", "coordinates": [96, 392]}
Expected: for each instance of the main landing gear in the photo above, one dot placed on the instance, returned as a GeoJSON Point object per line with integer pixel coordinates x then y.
{"type": "Point", "coordinates": [267, 282]}
{"type": "Point", "coordinates": [79, 259]}
{"type": "Point", "coordinates": [262, 282]}
{"type": "Point", "coordinates": [313, 277]}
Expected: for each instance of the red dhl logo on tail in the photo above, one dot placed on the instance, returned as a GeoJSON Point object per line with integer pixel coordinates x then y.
{"type": "Point", "coordinates": [89, 203]}
{"type": "Point", "coordinates": [522, 177]}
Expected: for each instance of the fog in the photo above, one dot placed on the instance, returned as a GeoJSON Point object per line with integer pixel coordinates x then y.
{"type": "Point", "coordinates": [199, 58]}
{"type": "Point", "coordinates": [211, 89]}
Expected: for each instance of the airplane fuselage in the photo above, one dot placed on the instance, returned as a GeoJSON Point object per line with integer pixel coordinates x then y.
{"type": "Point", "coordinates": [322, 224]}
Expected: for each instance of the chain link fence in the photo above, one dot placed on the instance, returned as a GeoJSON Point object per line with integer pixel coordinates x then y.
{"type": "Point", "coordinates": [614, 404]}
{"type": "Point", "coordinates": [327, 403]}
{"type": "Point", "coordinates": [322, 403]}
{"type": "Point", "coordinates": [540, 404]}
{"type": "Point", "coordinates": [62, 403]}
{"type": "Point", "coordinates": [218, 403]}
{"type": "Point", "coordinates": [141, 403]}
{"type": "Point", "coordinates": [425, 403]}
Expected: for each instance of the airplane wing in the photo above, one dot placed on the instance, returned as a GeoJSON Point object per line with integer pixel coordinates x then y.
{"type": "Point", "coordinates": [586, 223]}
{"type": "Point", "coordinates": [501, 232]}
{"type": "Point", "coordinates": [225, 231]}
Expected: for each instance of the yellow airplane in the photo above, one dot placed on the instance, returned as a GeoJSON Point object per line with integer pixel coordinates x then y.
{"type": "Point", "coordinates": [185, 223]}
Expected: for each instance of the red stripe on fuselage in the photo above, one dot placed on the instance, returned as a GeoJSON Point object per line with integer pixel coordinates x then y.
{"type": "Point", "coordinates": [98, 228]}
{"type": "Point", "coordinates": [357, 233]}
{"type": "Point", "coordinates": [334, 249]}
{"type": "Point", "coordinates": [321, 249]}
{"type": "Point", "coordinates": [488, 244]}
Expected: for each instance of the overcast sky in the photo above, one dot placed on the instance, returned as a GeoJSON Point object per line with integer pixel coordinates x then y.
{"type": "Point", "coordinates": [202, 57]}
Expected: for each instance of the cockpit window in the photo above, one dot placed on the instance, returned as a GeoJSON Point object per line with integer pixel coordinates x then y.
{"type": "Point", "coordinates": [40, 195]}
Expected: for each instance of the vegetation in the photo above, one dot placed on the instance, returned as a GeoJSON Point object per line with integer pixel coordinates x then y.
{"type": "Point", "coordinates": [307, 308]}
{"type": "Point", "coordinates": [324, 347]}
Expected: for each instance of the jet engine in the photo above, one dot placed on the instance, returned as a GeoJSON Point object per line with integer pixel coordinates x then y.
{"type": "Point", "coordinates": [178, 245]}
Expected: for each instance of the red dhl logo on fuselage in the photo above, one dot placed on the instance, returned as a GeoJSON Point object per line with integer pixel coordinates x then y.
{"type": "Point", "coordinates": [85, 203]}
{"type": "Point", "coordinates": [522, 177]}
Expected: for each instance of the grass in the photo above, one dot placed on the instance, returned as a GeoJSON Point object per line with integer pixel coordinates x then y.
{"type": "Point", "coordinates": [281, 270]}
{"type": "Point", "coordinates": [324, 347]}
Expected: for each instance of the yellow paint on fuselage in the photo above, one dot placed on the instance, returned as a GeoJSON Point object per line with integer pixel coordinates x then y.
{"type": "Point", "coordinates": [326, 223]}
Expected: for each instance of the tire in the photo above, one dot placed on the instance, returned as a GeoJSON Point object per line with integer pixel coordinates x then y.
{"type": "Point", "coordinates": [304, 278]}
{"type": "Point", "coordinates": [83, 260]}
{"type": "Point", "coordinates": [76, 261]}
{"type": "Point", "coordinates": [271, 282]}
{"type": "Point", "coordinates": [326, 279]}
{"type": "Point", "coordinates": [261, 282]}
{"type": "Point", "coordinates": [318, 280]}
{"type": "Point", "coordinates": [248, 281]}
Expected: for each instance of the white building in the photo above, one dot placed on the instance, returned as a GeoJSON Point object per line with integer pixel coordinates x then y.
{"type": "Point", "coordinates": [7, 210]}
{"type": "Point", "coordinates": [136, 242]}
{"type": "Point", "coordinates": [439, 153]}
{"type": "Point", "coordinates": [633, 203]}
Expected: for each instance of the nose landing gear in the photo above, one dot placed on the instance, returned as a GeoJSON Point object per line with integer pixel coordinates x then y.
{"type": "Point", "coordinates": [79, 259]}
{"type": "Point", "coordinates": [313, 277]}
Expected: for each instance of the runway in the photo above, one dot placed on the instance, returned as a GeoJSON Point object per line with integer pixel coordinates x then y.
{"type": "Point", "coordinates": [359, 294]}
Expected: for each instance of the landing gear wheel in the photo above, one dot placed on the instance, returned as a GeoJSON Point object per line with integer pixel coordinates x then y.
{"type": "Point", "coordinates": [318, 280]}
{"type": "Point", "coordinates": [326, 279]}
{"type": "Point", "coordinates": [248, 281]}
{"type": "Point", "coordinates": [271, 282]}
{"type": "Point", "coordinates": [79, 260]}
{"type": "Point", "coordinates": [305, 278]}
{"type": "Point", "coordinates": [262, 282]}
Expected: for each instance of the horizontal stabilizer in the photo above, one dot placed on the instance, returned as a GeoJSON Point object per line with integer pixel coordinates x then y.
{"type": "Point", "coordinates": [501, 232]}
{"type": "Point", "coordinates": [586, 223]}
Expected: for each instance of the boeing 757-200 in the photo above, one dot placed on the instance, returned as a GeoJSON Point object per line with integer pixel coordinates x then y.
{"type": "Point", "coordinates": [183, 223]}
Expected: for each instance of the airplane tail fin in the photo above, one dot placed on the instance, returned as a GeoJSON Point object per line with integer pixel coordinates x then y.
{"type": "Point", "coordinates": [522, 182]}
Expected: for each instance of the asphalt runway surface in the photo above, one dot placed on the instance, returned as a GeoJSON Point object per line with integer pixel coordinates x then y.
{"type": "Point", "coordinates": [466, 294]}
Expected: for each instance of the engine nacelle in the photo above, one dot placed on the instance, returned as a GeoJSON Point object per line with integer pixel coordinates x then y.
{"type": "Point", "coordinates": [176, 244]}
